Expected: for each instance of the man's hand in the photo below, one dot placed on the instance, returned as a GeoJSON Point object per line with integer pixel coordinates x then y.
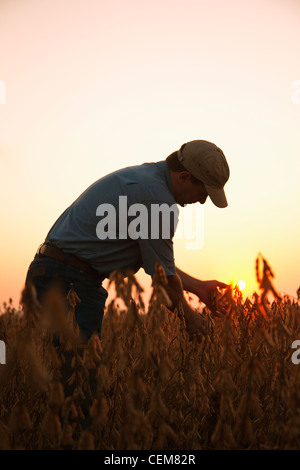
{"type": "Point", "coordinates": [206, 291]}
{"type": "Point", "coordinates": [195, 325]}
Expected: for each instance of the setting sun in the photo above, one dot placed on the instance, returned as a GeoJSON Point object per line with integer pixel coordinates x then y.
{"type": "Point", "coordinates": [241, 284]}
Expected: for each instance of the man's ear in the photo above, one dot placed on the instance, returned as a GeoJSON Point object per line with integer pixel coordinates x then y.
{"type": "Point", "coordinates": [184, 176]}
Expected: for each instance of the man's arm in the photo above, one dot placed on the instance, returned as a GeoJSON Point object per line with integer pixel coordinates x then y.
{"type": "Point", "coordinates": [189, 283]}
{"type": "Point", "coordinates": [194, 322]}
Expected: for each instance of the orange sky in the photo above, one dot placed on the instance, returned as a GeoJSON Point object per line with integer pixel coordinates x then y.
{"type": "Point", "coordinates": [92, 86]}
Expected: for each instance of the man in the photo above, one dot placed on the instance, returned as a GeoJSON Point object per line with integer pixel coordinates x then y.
{"type": "Point", "coordinates": [101, 232]}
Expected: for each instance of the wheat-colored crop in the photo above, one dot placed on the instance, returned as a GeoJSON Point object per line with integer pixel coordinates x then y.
{"type": "Point", "coordinates": [145, 384]}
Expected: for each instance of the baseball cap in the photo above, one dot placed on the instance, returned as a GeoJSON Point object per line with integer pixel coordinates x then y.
{"type": "Point", "coordinates": [206, 162]}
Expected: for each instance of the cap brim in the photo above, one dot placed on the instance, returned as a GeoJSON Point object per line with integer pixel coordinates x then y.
{"type": "Point", "coordinates": [217, 196]}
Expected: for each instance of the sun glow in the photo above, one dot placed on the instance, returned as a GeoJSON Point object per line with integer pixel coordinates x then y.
{"type": "Point", "coordinates": [241, 285]}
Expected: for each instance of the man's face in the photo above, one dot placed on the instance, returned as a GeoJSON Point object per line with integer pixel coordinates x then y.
{"type": "Point", "coordinates": [188, 192]}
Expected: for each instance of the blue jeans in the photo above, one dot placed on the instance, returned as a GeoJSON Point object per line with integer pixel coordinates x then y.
{"type": "Point", "coordinates": [45, 271]}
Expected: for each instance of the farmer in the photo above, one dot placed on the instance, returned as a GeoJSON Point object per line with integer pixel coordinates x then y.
{"type": "Point", "coordinates": [111, 226]}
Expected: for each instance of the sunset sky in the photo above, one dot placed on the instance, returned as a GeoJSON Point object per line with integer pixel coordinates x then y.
{"type": "Point", "coordinates": [90, 86]}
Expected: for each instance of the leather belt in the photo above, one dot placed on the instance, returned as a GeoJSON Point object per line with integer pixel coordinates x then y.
{"type": "Point", "coordinates": [66, 258]}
